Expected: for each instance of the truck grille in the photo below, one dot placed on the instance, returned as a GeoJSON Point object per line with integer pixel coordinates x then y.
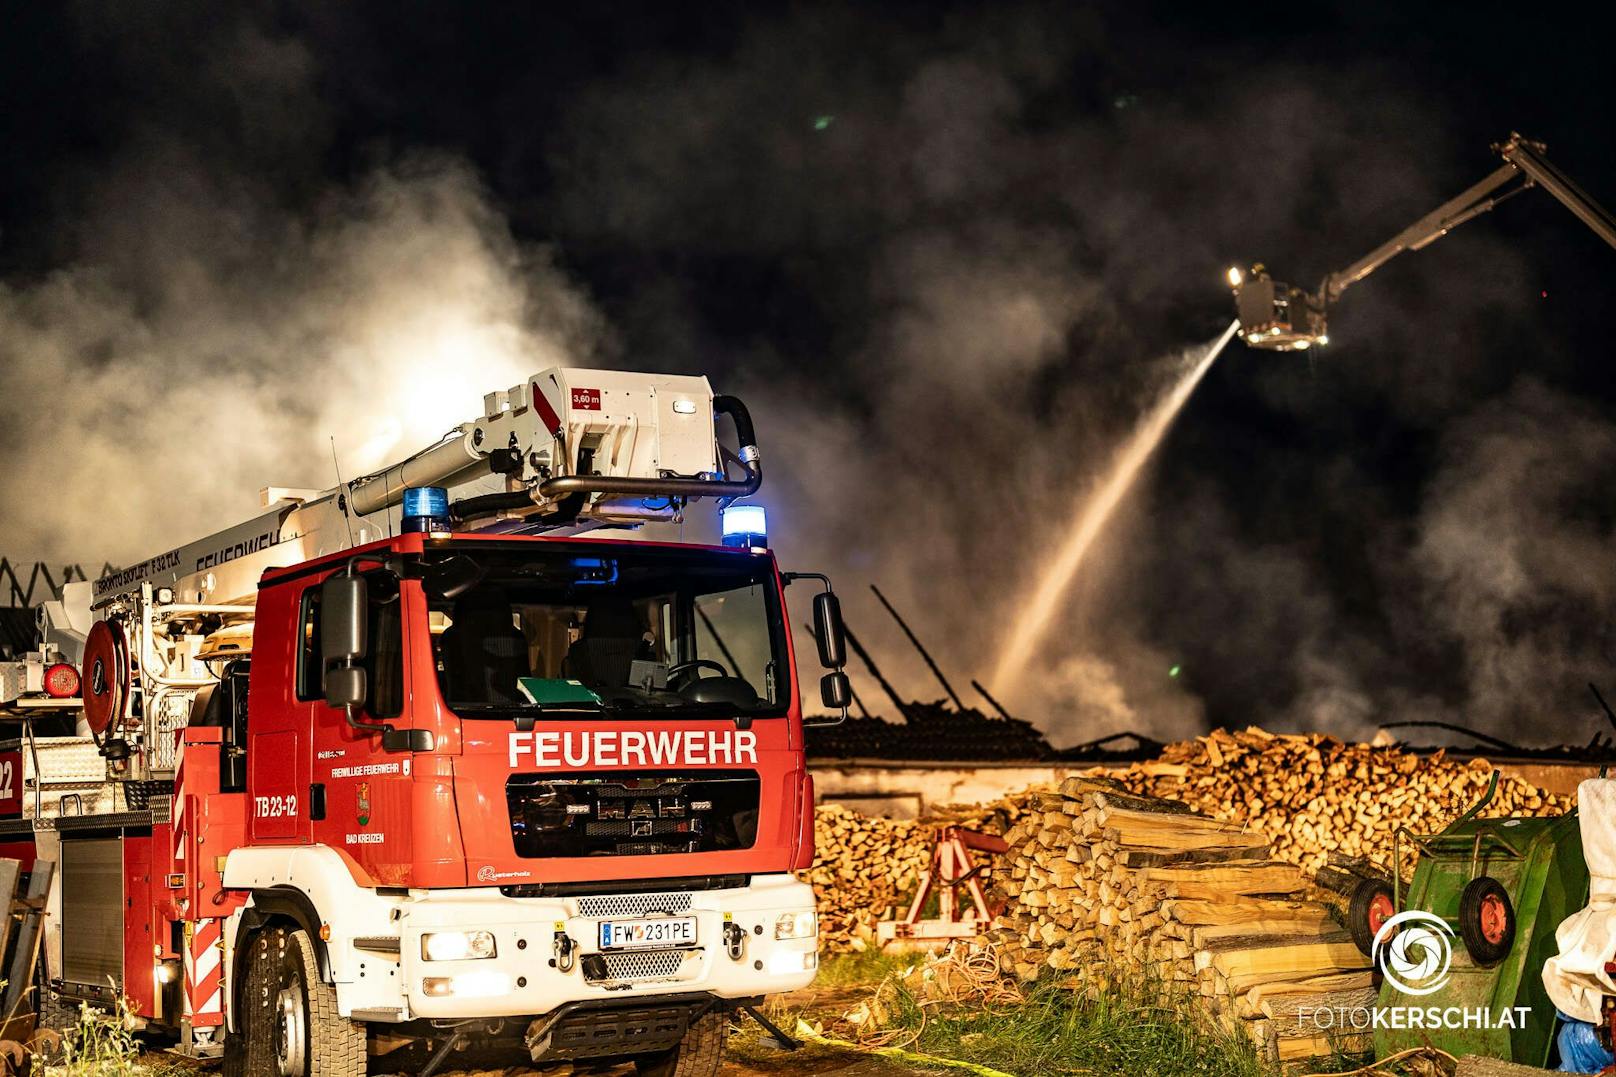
{"type": "Point", "coordinates": [633, 904]}
{"type": "Point", "coordinates": [627, 888]}
{"type": "Point", "coordinates": [646, 815]}
{"type": "Point", "coordinates": [645, 965]}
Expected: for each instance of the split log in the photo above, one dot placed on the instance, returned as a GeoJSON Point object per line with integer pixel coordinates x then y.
{"type": "Point", "coordinates": [1223, 881]}
{"type": "Point", "coordinates": [1245, 969]}
{"type": "Point", "coordinates": [1244, 912]}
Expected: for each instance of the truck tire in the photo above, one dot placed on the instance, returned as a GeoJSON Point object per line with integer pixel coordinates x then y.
{"type": "Point", "coordinates": [57, 1023]}
{"type": "Point", "coordinates": [699, 1054]}
{"type": "Point", "coordinates": [240, 1059]}
{"type": "Point", "coordinates": [234, 1063]}
{"type": "Point", "coordinates": [255, 1027]}
{"type": "Point", "coordinates": [291, 1025]}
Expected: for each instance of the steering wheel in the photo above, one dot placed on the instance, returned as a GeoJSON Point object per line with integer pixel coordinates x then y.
{"type": "Point", "coordinates": [690, 667]}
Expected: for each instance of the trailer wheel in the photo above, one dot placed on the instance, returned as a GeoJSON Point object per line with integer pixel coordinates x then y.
{"type": "Point", "coordinates": [1372, 905]}
{"type": "Point", "coordinates": [292, 1027]}
{"type": "Point", "coordinates": [1486, 920]}
{"type": "Point", "coordinates": [699, 1054]}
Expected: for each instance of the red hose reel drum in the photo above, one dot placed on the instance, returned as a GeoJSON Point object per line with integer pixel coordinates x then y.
{"type": "Point", "coordinates": [105, 677]}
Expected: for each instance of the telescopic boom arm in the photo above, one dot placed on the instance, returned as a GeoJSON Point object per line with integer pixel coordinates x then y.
{"type": "Point", "coordinates": [1427, 230]}
{"type": "Point", "coordinates": [1528, 157]}
{"type": "Point", "coordinates": [1282, 318]}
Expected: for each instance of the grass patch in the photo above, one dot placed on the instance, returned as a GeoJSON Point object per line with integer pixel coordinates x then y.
{"type": "Point", "coordinates": [868, 967]}
{"type": "Point", "coordinates": [101, 1045]}
{"type": "Point", "coordinates": [1138, 1029]}
{"type": "Point", "coordinates": [837, 973]}
{"type": "Point", "coordinates": [1141, 1028]}
{"type": "Point", "coordinates": [750, 1044]}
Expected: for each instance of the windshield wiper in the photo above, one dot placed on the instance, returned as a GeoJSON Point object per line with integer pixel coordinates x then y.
{"type": "Point", "coordinates": [677, 707]}
{"type": "Point", "coordinates": [526, 714]}
{"type": "Point", "coordinates": [714, 709]}
{"type": "Point", "coordinates": [516, 708]}
{"type": "Point", "coordinates": [526, 718]}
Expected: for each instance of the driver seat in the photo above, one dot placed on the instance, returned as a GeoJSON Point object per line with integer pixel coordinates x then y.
{"type": "Point", "coordinates": [486, 653]}
{"type": "Point", "coordinates": [612, 638]}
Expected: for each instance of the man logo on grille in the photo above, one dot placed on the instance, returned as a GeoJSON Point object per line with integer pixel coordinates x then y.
{"type": "Point", "coordinates": [1414, 951]}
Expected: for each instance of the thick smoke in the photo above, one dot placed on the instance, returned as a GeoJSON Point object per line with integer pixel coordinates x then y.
{"type": "Point", "coordinates": [1516, 554]}
{"type": "Point", "coordinates": [947, 263]}
{"type": "Point", "coordinates": [216, 307]}
{"type": "Point", "coordinates": [996, 281]}
{"type": "Point", "coordinates": [207, 344]}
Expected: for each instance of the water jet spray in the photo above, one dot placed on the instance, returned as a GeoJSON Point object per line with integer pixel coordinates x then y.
{"type": "Point", "coordinates": [1090, 518]}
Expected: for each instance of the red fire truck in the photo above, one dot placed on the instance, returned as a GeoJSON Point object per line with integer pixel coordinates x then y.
{"type": "Point", "coordinates": [445, 759]}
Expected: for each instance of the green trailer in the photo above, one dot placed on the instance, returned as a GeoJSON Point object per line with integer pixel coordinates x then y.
{"type": "Point", "coordinates": [1501, 887]}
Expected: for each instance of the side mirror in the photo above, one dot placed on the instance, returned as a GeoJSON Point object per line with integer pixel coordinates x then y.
{"type": "Point", "coordinates": [835, 691]}
{"type": "Point", "coordinates": [344, 619]}
{"type": "Point", "coordinates": [828, 632]}
{"type": "Point", "coordinates": [345, 686]}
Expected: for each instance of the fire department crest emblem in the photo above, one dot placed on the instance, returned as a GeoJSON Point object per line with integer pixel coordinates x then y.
{"type": "Point", "coordinates": [363, 807]}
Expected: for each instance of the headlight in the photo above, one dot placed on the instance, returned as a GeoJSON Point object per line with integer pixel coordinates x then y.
{"type": "Point", "coordinates": [467, 985]}
{"type": "Point", "coordinates": [457, 945]}
{"type": "Point", "coordinates": [786, 963]}
{"type": "Point", "coordinates": [796, 925]}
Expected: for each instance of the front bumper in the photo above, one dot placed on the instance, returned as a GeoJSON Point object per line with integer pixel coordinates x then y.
{"type": "Point", "coordinates": [548, 952]}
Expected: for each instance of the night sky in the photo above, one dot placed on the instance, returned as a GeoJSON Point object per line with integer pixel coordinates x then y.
{"type": "Point", "coordinates": [947, 252]}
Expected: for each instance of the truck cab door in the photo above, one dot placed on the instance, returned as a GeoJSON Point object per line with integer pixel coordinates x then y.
{"type": "Point", "coordinates": [360, 796]}
{"type": "Point", "coordinates": [279, 729]}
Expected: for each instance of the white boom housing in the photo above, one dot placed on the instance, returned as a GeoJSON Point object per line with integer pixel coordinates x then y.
{"type": "Point", "coordinates": [567, 450]}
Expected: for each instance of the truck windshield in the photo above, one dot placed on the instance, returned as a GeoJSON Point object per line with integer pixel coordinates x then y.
{"type": "Point", "coordinates": [606, 626]}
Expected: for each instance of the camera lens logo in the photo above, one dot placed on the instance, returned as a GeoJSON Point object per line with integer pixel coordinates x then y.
{"type": "Point", "coordinates": [1414, 951]}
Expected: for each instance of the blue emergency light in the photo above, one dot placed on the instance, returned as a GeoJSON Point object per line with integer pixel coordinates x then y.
{"type": "Point", "coordinates": [745, 526]}
{"type": "Point", "coordinates": [594, 570]}
{"type": "Point", "coordinates": [426, 508]}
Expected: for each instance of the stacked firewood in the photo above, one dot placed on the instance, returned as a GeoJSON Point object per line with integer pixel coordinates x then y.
{"type": "Point", "coordinates": [1212, 868]}
{"type": "Point", "coordinates": [1103, 883]}
{"type": "Point", "coordinates": [1313, 796]}
{"type": "Point", "coordinates": [867, 869]}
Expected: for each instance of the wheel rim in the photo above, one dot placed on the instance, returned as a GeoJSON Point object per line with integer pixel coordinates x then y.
{"type": "Point", "coordinates": [1494, 919]}
{"type": "Point", "coordinates": [1380, 910]}
{"type": "Point", "coordinates": [290, 1031]}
